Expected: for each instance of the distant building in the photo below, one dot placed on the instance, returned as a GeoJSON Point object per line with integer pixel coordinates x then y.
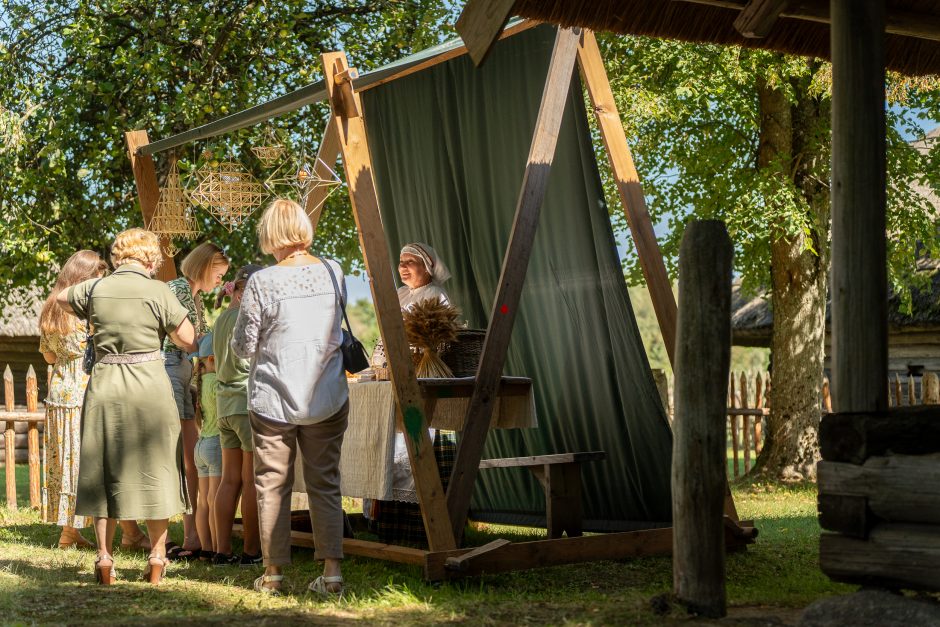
{"type": "Point", "coordinates": [19, 340]}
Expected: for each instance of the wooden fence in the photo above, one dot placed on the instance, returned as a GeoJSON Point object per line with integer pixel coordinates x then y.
{"type": "Point", "coordinates": [33, 418]}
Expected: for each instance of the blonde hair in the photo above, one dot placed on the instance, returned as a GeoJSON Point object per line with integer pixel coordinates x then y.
{"type": "Point", "coordinates": [198, 264]}
{"type": "Point", "coordinates": [284, 224]}
{"type": "Point", "coordinates": [83, 265]}
{"type": "Point", "coordinates": [138, 245]}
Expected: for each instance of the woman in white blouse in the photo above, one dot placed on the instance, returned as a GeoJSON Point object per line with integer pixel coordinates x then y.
{"type": "Point", "coordinates": [289, 327]}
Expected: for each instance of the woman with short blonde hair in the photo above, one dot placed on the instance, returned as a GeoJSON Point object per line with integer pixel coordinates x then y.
{"type": "Point", "coordinates": [288, 325]}
{"type": "Point", "coordinates": [202, 271]}
{"type": "Point", "coordinates": [131, 467]}
{"type": "Point", "coordinates": [284, 224]}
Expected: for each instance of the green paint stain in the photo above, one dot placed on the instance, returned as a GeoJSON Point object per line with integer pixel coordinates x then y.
{"type": "Point", "coordinates": [413, 420]}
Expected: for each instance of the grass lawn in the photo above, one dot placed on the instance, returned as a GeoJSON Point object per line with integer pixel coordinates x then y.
{"type": "Point", "coordinates": [40, 584]}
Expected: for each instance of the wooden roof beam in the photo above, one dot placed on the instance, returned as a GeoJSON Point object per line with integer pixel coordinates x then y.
{"type": "Point", "coordinates": [480, 24]}
{"type": "Point", "coordinates": [758, 17]}
{"type": "Point", "coordinates": [903, 23]}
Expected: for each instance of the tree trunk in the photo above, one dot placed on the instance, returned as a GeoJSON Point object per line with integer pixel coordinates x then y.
{"type": "Point", "coordinates": [799, 282]}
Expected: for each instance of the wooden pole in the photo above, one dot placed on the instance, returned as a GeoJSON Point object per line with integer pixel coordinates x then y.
{"type": "Point", "coordinates": [9, 440]}
{"type": "Point", "coordinates": [32, 439]}
{"type": "Point", "coordinates": [512, 276]}
{"type": "Point", "coordinates": [859, 275]}
{"type": "Point", "coordinates": [411, 417]}
{"type": "Point", "coordinates": [327, 154]}
{"type": "Point", "coordinates": [732, 402]}
{"type": "Point", "coordinates": [148, 193]}
{"type": "Point", "coordinates": [746, 420]}
{"type": "Point", "coordinates": [703, 355]}
{"type": "Point", "coordinates": [631, 191]}
{"type": "Point", "coordinates": [758, 404]}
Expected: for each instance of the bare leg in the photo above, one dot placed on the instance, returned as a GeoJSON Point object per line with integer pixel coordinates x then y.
{"type": "Point", "coordinates": [203, 528]}
{"type": "Point", "coordinates": [250, 532]}
{"type": "Point", "coordinates": [156, 562]}
{"type": "Point", "coordinates": [104, 534]}
{"type": "Point", "coordinates": [331, 568]}
{"type": "Point", "coordinates": [72, 536]}
{"type": "Point", "coordinates": [210, 500]}
{"type": "Point", "coordinates": [190, 435]}
{"type": "Point", "coordinates": [226, 499]}
{"type": "Point", "coordinates": [132, 536]}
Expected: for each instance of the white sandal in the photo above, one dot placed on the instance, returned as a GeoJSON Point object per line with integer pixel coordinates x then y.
{"type": "Point", "coordinates": [263, 579]}
{"type": "Point", "coordinates": [321, 583]}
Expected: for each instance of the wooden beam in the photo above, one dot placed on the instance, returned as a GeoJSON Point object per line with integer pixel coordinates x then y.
{"type": "Point", "coordinates": [854, 437]}
{"type": "Point", "coordinates": [411, 416]}
{"type": "Point", "coordinates": [148, 194]}
{"type": "Point", "coordinates": [758, 17]}
{"type": "Point", "coordinates": [904, 23]}
{"type": "Point", "coordinates": [460, 563]}
{"type": "Point", "coordinates": [631, 191]}
{"type": "Point", "coordinates": [896, 556]}
{"type": "Point", "coordinates": [512, 275]}
{"type": "Point", "coordinates": [327, 154]}
{"type": "Point", "coordinates": [480, 23]}
{"type": "Point", "coordinates": [859, 284]}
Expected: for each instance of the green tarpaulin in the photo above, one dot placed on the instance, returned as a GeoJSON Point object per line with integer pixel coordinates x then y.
{"type": "Point", "coordinates": [449, 147]}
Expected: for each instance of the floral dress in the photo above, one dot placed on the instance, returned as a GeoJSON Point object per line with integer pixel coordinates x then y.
{"type": "Point", "coordinates": [61, 439]}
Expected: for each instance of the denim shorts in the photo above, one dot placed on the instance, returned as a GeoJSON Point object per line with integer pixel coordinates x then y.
{"type": "Point", "coordinates": [180, 371]}
{"type": "Point", "coordinates": [208, 457]}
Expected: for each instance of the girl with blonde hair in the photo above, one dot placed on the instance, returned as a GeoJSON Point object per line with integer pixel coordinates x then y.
{"type": "Point", "coordinates": [202, 270]}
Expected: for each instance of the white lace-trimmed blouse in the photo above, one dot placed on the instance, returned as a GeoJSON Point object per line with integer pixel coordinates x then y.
{"type": "Point", "coordinates": [289, 327]}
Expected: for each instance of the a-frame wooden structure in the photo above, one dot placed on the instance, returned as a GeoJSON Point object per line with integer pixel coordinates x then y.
{"type": "Point", "coordinates": [445, 515]}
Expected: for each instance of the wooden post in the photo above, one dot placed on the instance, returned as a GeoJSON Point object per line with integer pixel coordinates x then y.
{"type": "Point", "coordinates": [758, 420]}
{"type": "Point", "coordinates": [148, 193]}
{"type": "Point", "coordinates": [631, 191]}
{"type": "Point", "coordinates": [827, 396]}
{"type": "Point", "coordinates": [859, 275]}
{"type": "Point", "coordinates": [512, 276]}
{"type": "Point", "coordinates": [411, 417]}
{"type": "Point", "coordinates": [703, 355]}
{"type": "Point", "coordinates": [9, 440]}
{"type": "Point", "coordinates": [931, 388]}
{"type": "Point", "coordinates": [746, 420]}
{"type": "Point", "coordinates": [911, 397]}
{"type": "Point", "coordinates": [32, 439]}
{"type": "Point", "coordinates": [732, 402]}
{"type": "Point", "coordinates": [327, 154]}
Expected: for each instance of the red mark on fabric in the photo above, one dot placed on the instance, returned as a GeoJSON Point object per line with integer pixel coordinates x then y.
{"type": "Point", "coordinates": [504, 309]}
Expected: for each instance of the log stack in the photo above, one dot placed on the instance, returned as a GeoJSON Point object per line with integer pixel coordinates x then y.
{"type": "Point", "coordinates": [879, 497]}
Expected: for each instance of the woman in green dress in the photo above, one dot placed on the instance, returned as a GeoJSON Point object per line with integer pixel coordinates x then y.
{"type": "Point", "coordinates": [131, 450]}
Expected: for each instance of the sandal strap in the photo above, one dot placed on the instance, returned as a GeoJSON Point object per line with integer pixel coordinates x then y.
{"type": "Point", "coordinates": [273, 578]}
{"type": "Point", "coordinates": [332, 579]}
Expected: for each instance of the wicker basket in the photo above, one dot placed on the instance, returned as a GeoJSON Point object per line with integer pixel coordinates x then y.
{"type": "Point", "coordinates": [463, 356]}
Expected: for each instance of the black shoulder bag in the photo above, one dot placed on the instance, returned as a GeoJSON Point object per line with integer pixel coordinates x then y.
{"type": "Point", "coordinates": [88, 359]}
{"type": "Point", "coordinates": [354, 355]}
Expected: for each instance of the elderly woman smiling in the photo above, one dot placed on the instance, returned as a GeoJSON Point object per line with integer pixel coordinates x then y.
{"type": "Point", "coordinates": [131, 451]}
{"type": "Point", "coordinates": [289, 326]}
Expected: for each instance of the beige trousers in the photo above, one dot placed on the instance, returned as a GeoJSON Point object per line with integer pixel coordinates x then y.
{"type": "Point", "coordinates": [276, 446]}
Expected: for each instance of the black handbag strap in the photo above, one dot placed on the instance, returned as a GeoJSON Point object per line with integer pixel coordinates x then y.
{"type": "Point", "coordinates": [339, 295]}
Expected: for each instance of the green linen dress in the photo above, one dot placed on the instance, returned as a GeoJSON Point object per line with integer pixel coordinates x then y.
{"type": "Point", "coordinates": [131, 447]}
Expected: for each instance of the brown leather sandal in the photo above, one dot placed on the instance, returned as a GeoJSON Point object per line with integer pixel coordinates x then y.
{"type": "Point", "coordinates": [104, 570]}
{"type": "Point", "coordinates": [156, 568]}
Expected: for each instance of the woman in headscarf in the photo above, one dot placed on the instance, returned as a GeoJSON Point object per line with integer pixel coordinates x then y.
{"type": "Point", "coordinates": [399, 521]}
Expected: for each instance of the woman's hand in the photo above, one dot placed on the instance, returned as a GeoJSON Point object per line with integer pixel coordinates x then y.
{"type": "Point", "coordinates": [185, 336]}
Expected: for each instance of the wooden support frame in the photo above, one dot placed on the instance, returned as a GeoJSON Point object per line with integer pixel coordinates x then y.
{"type": "Point", "coordinates": [411, 416]}
{"type": "Point", "coordinates": [148, 193]}
{"type": "Point", "coordinates": [512, 276]}
{"type": "Point", "coordinates": [327, 154]}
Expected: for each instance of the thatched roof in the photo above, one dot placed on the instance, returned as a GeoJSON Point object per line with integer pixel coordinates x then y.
{"type": "Point", "coordinates": [752, 319]}
{"type": "Point", "coordinates": [20, 316]}
{"type": "Point", "coordinates": [699, 22]}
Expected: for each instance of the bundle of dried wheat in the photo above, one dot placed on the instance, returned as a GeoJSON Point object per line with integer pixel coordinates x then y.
{"type": "Point", "coordinates": [429, 324]}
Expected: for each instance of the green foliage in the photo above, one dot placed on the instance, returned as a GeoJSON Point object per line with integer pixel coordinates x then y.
{"type": "Point", "coordinates": [693, 118]}
{"type": "Point", "coordinates": [75, 75]}
{"type": "Point", "coordinates": [364, 324]}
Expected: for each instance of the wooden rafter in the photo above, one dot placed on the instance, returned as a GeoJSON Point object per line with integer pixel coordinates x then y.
{"type": "Point", "coordinates": [411, 416]}
{"type": "Point", "coordinates": [758, 17]}
{"type": "Point", "coordinates": [327, 154]}
{"type": "Point", "coordinates": [480, 23]}
{"type": "Point", "coordinates": [148, 193]}
{"type": "Point", "coordinates": [512, 275]}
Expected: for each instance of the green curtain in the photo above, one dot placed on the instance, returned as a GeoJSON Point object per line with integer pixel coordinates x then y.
{"type": "Point", "coordinates": [449, 147]}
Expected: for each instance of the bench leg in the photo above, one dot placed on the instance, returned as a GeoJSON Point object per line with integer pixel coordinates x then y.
{"type": "Point", "coordinates": [562, 485]}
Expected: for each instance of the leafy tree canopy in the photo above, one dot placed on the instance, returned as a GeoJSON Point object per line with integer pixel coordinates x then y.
{"type": "Point", "coordinates": [693, 118]}
{"type": "Point", "coordinates": [76, 74]}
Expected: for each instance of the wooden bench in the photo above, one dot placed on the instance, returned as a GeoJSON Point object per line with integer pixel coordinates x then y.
{"type": "Point", "coordinates": [560, 476]}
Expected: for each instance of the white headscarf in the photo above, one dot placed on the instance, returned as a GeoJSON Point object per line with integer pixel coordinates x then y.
{"type": "Point", "coordinates": [435, 267]}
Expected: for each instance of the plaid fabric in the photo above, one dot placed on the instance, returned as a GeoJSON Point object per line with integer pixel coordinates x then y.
{"type": "Point", "coordinates": [397, 522]}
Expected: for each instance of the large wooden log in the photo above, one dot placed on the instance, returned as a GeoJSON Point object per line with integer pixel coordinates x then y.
{"type": "Point", "coordinates": [853, 437]}
{"type": "Point", "coordinates": [703, 355]}
{"type": "Point", "coordinates": [897, 488]}
{"type": "Point", "coordinates": [902, 555]}
{"type": "Point", "coordinates": [859, 276]}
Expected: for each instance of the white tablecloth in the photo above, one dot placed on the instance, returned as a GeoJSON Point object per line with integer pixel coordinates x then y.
{"type": "Point", "coordinates": [368, 447]}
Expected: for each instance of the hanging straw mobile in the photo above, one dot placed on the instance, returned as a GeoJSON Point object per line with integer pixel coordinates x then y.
{"type": "Point", "coordinates": [173, 217]}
